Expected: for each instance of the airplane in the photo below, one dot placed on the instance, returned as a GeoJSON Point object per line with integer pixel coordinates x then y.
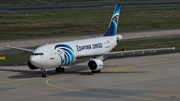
{"type": "Point", "coordinates": [57, 55]}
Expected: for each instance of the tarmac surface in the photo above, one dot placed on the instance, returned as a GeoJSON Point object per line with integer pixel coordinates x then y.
{"type": "Point", "coordinates": [152, 77]}
{"type": "Point", "coordinates": [139, 78]}
{"type": "Point", "coordinates": [41, 7]}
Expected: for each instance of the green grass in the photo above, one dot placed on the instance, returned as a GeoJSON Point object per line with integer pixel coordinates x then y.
{"type": "Point", "coordinates": [22, 58]}
{"type": "Point", "coordinates": [151, 43]}
{"type": "Point", "coordinates": [15, 3]}
{"type": "Point", "coordinates": [16, 59]}
{"type": "Point", "coordinates": [17, 25]}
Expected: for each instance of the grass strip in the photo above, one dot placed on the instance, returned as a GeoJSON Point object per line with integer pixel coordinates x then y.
{"type": "Point", "coordinates": [150, 43]}
{"type": "Point", "coordinates": [35, 24]}
{"type": "Point", "coordinates": [16, 59]}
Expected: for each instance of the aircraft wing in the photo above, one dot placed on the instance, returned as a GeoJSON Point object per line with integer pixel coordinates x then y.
{"type": "Point", "coordinates": [129, 51]}
{"type": "Point", "coordinates": [20, 49]}
{"type": "Point", "coordinates": [142, 50]}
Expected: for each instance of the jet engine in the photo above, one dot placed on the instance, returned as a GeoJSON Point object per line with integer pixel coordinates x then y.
{"type": "Point", "coordinates": [31, 66]}
{"type": "Point", "coordinates": [95, 64]}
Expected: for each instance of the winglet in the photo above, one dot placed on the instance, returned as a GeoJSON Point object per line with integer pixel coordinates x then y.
{"type": "Point", "coordinates": [112, 28]}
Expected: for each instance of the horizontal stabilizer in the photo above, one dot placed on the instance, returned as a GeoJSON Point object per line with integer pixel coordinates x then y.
{"type": "Point", "coordinates": [138, 37]}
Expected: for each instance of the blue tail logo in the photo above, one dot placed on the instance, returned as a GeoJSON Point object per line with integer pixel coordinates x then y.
{"type": "Point", "coordinates": [112, 28]}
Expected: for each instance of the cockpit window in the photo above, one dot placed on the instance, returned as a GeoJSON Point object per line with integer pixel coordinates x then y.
{"type": "Point", "coordinates": [36, 54]}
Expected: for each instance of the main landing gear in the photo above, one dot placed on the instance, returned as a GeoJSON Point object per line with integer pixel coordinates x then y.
{"type": "Point", "coordinates": [60, 69]}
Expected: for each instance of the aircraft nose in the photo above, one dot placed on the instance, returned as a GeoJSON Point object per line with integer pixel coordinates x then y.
{"type": "Point", "coordinates": [35, 61]}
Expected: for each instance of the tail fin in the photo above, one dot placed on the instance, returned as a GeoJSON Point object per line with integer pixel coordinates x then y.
{"type": "Point", "coordinates": [112, 28]}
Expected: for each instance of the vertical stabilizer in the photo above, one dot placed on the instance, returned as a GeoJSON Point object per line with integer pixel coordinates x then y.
{"type": "Point", "coordinates": [112, 28]}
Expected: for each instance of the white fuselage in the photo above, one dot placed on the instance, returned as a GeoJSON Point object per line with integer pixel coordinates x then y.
{"type": "Point", "coordinates": [61, 54]}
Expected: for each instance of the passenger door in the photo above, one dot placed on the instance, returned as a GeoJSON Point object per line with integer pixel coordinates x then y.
{"type": "Point", "coordinates": [51, 54]}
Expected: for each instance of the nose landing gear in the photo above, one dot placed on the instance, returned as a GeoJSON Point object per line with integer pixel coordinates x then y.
{"type": "Point", "coordinates": [44, 72]}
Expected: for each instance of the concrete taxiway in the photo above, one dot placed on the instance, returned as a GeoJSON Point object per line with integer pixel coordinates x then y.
{"type": "Point", "coordinates": [41, 7]}
{"type": "Point", "coordinates": [142, 78]}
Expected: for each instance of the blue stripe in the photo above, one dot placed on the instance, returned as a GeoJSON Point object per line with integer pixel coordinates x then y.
{"type": "Point", "coordinates": [68, 54]}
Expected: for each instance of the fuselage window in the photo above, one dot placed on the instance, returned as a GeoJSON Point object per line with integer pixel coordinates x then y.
{"type": "Point", "coordinates": [41, 54]}
{"type": "Point", "coordinates": [37, 54]}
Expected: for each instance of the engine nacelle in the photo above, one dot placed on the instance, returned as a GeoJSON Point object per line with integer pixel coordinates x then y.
{"type": "Point", "coordinates": [31, 66]}
{"type": "Point", "coordinates": [95, 64]}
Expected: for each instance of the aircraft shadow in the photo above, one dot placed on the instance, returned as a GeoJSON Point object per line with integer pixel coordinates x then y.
{"type": "Point", "coordinates": [77, 70]}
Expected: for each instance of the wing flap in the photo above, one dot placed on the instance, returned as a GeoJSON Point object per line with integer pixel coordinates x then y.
{"type": "Point", "coordinates": [141, 51]}
{"type": "Point", "coordinates": [130, 52]}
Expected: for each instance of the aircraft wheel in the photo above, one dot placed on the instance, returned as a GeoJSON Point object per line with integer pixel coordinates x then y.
{"type": "Point", "coordinates": [60, 69]}
{"type": "Point", "coordinates": [57, 70]}
{"type": "Point", "coordinates": [44, 75]}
